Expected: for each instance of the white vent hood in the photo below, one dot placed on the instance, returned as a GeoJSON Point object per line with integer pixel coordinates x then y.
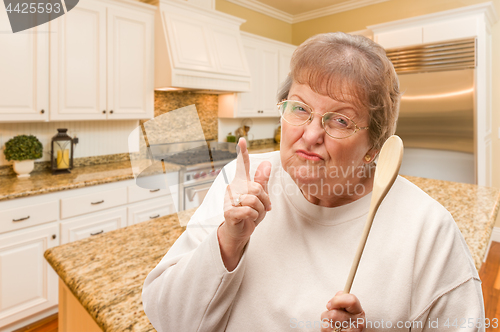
{"type": "Point", "coordinates": [198, 49]}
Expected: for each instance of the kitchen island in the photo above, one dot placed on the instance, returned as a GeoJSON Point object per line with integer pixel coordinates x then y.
{"type": "Point", "coordinates": [106, 273]}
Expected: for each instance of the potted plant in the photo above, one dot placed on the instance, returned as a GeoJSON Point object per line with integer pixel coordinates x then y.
{"type": "Point", "coordinates": [23, 150]}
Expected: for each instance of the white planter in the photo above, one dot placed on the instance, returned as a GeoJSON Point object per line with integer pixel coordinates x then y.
{"type": "Point", "coordinates": [23, 168]}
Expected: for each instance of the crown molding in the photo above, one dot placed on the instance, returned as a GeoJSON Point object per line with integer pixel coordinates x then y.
{"type": "Point", "coordinates": [264, 9]}
{"type": "Point", "coordinates": [289, 18]}
{"type": "Point", "coordinates": [487, 9]}
{"type": "Point", "coordinates": [334, 9]}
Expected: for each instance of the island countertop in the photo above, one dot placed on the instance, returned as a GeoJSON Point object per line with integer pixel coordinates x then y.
{"type": "Point", "coordinates": [106, 272]}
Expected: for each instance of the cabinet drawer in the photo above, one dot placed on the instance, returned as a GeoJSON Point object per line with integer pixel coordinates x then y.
{"type": "Point", "coordinates": [27, 216]}
{"type": "Point", "coordinates": [150, 210]}
{"type": "Point", "coordinates": [84, 227]}
{"type": "Point", "coordinates": [136, 193]}
{"type": "Point", "coordinates": [74, 206]}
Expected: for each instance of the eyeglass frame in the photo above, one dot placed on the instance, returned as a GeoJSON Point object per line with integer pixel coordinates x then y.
{"type": "Point", "coordinates": [311, 117]}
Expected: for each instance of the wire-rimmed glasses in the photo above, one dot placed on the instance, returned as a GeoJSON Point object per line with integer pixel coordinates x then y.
{"type": "Point", "coordinates": [336, 125]}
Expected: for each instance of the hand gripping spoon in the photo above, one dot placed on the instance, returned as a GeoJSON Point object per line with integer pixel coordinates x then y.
{"type": "Point", "coordinates": [388, 164]}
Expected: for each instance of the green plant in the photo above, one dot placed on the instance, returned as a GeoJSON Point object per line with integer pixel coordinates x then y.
{"type": "Point", "coordinates": [23, 147]}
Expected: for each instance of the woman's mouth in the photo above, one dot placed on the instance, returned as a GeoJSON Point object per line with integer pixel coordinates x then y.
{"type": "Point", "coordinates": [309, 155]}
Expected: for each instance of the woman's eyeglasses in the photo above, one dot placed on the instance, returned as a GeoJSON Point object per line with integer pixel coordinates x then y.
{"type": "Point", "coordinates": [336, 125]}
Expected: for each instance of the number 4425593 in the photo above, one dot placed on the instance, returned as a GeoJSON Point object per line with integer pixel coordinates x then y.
{"type": "Point", "coordinates": [471, 322]}
{"type": "Point", "coordinates": [34, 8]}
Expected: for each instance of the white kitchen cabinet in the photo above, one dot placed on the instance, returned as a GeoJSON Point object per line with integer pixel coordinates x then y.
{"type": "Point", "coordinates": [400, 38]}
{"type": "Point", "coordinates": [150, 209]}
{"type": "Point", "coordinates": [104, 70]}
{"type": "Point", "coordinates": [269, 63]}
{"type": "Point", "coordinates": [207, 4]}
{"type": "Point", "coordinates": [24, 73]}
{"type": "Point", "coordinates": [28, 284]}
{"type": "Point", "coordinates": [79, 228]}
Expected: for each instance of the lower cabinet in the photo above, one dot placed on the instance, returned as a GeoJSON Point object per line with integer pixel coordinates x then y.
{"type": "Point", "coordinates": [75, 229]}
{"type": "Point", "coordinates": [28, 284]}
{"type": "Point", "coordinates": [151, 209]}
{"type": "Point", "coordinates": [31, 225]}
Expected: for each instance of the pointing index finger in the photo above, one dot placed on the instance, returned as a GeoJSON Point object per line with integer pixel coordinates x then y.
{"type": "Point", "coordinates": [243, 161]}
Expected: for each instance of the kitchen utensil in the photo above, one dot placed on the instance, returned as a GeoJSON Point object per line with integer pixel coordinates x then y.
{"type": "Point", "coordinates": [388, 164]}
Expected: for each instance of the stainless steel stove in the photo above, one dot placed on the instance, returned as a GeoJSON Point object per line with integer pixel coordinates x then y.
{"type": "Point", "coordinates": [202, 162]}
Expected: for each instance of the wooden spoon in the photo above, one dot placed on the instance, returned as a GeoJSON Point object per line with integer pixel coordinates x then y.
{"type": "Point", "coordinates": [388, 164]}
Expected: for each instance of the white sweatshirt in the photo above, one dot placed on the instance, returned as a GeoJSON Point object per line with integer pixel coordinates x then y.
{"type": "Point", "coordinates": [416, 272]}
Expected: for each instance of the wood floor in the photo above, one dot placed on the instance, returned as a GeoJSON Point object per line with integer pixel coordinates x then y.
{"type": "Point", "coordinates": [490, 275]}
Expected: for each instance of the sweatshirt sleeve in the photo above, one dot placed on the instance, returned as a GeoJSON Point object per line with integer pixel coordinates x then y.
{"type": "Point", "coordinates": [190, 289]}
{"type": "Point", "coordinates": [460, 309]}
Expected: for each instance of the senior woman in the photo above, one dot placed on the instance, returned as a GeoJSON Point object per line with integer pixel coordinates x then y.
{"type": "Point", "coordinates": [271, 251]}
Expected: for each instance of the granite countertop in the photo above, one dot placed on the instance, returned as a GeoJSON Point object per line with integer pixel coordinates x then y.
{"type": "Point", "coordinates": [106, 272]}
{"type": "Point", "coordinates": [44, 182]}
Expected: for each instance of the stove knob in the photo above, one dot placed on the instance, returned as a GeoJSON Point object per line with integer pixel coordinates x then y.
{"type": "Point", "coordinates": [188, 177]}
{"type": "Point", "coordinates": [196, 176]}
{"type": "Point", "coordinates": [203, 174]}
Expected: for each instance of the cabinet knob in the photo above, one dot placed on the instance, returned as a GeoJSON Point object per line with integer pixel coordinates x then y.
{"type": "Point", "coordinates": [95, 203]}
{"type": "Point", "coordinates": [111, 111]}
{"type": "Point", "coordinates": [97, 233]}
{"type": "Point", "coordinates": [42, 111]}
{"type": "Point", "coordinates": [104, 112]}
{"type": "Point", "coordinates": [54, 237]}
{"type": "Point", "coordinates": [154, 217]}
{"type": "Point", "coordinates": [20, 219]}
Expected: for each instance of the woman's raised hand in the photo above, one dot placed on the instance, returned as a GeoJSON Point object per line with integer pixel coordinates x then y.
{"type": "Point", "coordinates": [246, 203]}
{"type": "Point", "coordinates": [344, 313]}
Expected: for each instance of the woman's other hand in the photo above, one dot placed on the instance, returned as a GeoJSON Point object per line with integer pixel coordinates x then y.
{"type": "Point", "coordinates": [344, 310]}
{"type": "Point", "coordinates": [246, 203]}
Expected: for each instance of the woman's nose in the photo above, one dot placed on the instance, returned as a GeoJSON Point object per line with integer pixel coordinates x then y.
{"type": "Point", "coordinates": [313, 131]}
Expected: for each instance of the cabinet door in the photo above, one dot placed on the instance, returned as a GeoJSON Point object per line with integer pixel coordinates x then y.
{"type": "Point", "coordinates": [24, 73]}
{"type": "Point", "coordinates": [269, 82]}
{"type": "Point", "coordinates": [78, 63]}
{"type": "Point", "coordinates": [151, 209]}
{"type": "Point", "coordinates": [28, 284]}
{"type": "Point", "coordinates": [284, 63]}
{"type": "Point", "coordinates": [400, 38]}
{"type": "Point", "coordinates": [83, 227]}
{"type": "Point", "coordinates": [249, 102]}
{"type": "Point", "coordinates": [130, 64]}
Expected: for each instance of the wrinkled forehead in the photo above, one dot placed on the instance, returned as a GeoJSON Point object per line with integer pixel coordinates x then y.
{"type": "Point", "coordinates": [343, 87]}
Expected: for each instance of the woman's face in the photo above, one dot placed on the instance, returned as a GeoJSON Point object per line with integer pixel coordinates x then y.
{"type": "Point", "coordinates": [329, 171]}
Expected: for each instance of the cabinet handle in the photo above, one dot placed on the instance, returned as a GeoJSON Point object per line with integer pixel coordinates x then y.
{"type": "Point", "coordinates": [154, 190]}
{"type": "Point", "coordinates": [54, 237]}
{"type": "Point", "coordinates": [21, 219]}
{"type": "Point", "coordinates": [104, 112]}
{"type": "Point", "coordinates": [42, 111]}
{"type": "Point", "coordinates": [111, 111]}
{"type": "Point", "coordinates": [154, 217]}
{"type": "Point", "coordinates": [95, 203]}
{"type": "Point", "coordinates": [97, 233]}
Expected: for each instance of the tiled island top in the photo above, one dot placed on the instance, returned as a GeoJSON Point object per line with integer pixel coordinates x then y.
{"type": "Point", "coordinates": [106, 272]}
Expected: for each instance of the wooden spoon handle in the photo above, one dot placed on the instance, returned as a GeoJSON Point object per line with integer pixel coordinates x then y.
{"type": "Point", "coordinates": [386, 173]}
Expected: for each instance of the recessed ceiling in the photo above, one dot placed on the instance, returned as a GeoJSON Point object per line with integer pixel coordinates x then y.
{"type": "Point", "coordinates": [293, 11]}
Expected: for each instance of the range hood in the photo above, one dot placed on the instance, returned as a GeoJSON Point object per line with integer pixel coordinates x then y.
{"type": "Point", "coordinates": [198, 49]}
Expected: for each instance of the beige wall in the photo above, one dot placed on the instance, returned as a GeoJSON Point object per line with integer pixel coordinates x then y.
{"type": "Point", "coordinates": [257, 23]}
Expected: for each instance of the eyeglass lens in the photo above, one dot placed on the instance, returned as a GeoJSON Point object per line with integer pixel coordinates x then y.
{"type": "Point", "coordinates": [335, 124]}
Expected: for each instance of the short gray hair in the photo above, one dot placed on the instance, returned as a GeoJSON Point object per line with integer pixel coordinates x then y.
{"type": "Point", "coordinates": [341, 66]}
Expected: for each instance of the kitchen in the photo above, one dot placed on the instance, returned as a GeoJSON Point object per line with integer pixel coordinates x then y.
{"type": "Point", "coordinates": [105, 137]}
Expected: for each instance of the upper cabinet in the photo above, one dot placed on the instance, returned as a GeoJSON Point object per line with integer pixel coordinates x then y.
{"type": "Point", "coordinates": [269, 63]}
{"type": "Point", "coordinates": [460, 23]}
{"type": "Point", "coordinates": [24, 73]}
{"type": "Point", "coordinates": [104, 70]}
{"type": "Point", "coordinates": [93, 63]}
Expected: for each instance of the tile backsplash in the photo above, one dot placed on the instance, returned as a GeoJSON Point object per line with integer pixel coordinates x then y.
{"type": "Point", "coordinates": [206, 106]}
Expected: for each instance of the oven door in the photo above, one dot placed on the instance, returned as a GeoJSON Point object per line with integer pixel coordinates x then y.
{"type": "Point", "coordinates": [194, 194]}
